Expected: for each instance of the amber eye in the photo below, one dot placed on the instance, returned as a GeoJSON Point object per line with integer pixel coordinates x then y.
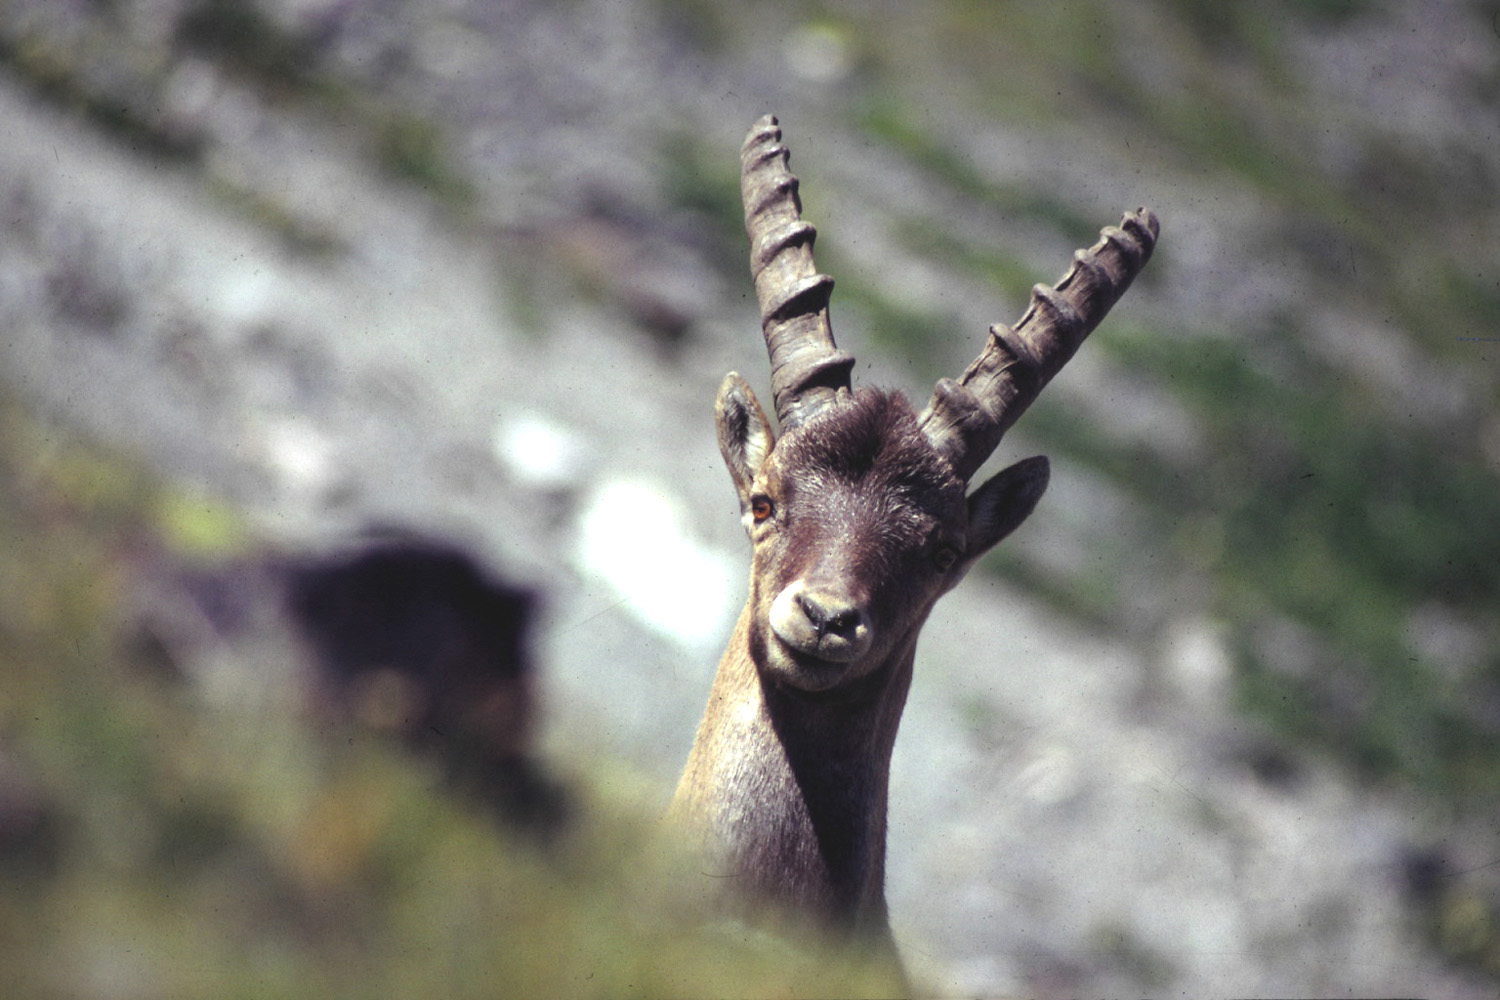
{"type": "Point", "coordinates": [760, 509]}
{"type": "Point", "coordinates": [945, 557]}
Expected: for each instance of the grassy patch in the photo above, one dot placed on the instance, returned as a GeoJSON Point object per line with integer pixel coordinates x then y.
{"type": "Point", "coordinates": [703, 182]}
{"type": "Point", "coordinates": [898, 127]}
{"type": "Point", "coordinates": [413, 149]}
{"type": "Point", "coordinates": [55, 74]}
{"type": "Point", "coordinates": [892, 328]}
{"type": "Point", "coordinates": [1347, 521]}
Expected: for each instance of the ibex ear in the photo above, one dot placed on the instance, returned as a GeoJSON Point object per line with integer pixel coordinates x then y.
{"type": "Point", "coordinates": [999, 506]}
{"type": "Point", "coordinates": [745, 437]}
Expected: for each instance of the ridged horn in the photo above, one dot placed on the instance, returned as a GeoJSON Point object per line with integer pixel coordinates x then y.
{"type": "Point", "coordinates": [808, 371]}
{"type": "Point", "coordinates": [966, 419]}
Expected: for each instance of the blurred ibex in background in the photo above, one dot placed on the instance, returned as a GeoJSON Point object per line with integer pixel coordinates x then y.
{"type": "Point", "coordinates": [414, 637]}
{"type": "Point", "coordinates": [859, 522]}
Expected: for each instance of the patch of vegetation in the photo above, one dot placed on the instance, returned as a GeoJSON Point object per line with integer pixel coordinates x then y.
{"type": "Point", "coordinates": [703, 181]}
{"type": "Point", "coordinates": [54, 74]}
{"type": "Point", "coordinates": [81, 65]}
{"type": "Point", "coordinates": [894, 329]}
{"type": "Point", "coordinates": [1126, 950]}
{"type": "Point", "coordinates": [1091, 599]}
{"type": "Point", "coordinates": [413, 149]}
{"type": "Point", "coordinates": [1338, 518]}
{"type": "Point", "coordinates": [902, 130]}
{"type": "Point", "coordinates": [1319, 509]}
{"type": "Point", "coordinates": [1030, 62]}
{"type": "Point", "coordinates": [296, 233]}
{"type": "Point", "coordinates": [898, 128]}
{"type": "Point", "coordinates": [244, 40]}
{"type": "Point", "coordinates": [991, 265]}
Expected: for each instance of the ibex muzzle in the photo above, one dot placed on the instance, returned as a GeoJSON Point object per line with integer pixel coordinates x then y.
{"type": "Point", "coordinates": [859, 521]}
{"type": "Point", "coordinates": [819, 617]}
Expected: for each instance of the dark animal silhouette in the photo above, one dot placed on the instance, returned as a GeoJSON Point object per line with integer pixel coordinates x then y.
{"type": "Point", "coordinates": [414, 638]}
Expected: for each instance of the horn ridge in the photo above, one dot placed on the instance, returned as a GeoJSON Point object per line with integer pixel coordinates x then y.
{"type": "Point", "coordinates": [808, 371]}
{"type": "Point", "coordinates": [1018, 362]}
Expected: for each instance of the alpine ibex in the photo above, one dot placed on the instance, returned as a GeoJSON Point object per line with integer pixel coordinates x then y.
{"type": "Point", "coordinates": [859, 522]}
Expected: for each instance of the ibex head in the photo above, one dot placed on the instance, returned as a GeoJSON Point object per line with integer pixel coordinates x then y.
{"type": "Point", "coordinates": [857, 512]}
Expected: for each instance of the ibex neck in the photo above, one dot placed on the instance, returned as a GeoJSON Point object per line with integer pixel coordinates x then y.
{"type": "Point", "coordinates": [788, 790]}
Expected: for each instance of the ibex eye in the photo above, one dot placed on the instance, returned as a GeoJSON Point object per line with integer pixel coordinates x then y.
{"type": "Point", "coordinates": [760, 509]}
{"type": "Point", "coordinates": [945, 557]}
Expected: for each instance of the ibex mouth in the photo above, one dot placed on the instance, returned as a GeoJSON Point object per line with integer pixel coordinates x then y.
{"type": "Point", "coordinates": [819, 655]}
{"type": "Point", "coordinates": [803, 671]}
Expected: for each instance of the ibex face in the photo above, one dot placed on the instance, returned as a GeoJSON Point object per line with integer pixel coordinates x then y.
{"type": "Point", "coordinates": [858, 527]}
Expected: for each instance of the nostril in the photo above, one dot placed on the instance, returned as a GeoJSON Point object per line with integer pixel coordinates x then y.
{"type": "Point", "coordinates": [843, 621]}
{"type": "Point", "coordinates": [813, 610]}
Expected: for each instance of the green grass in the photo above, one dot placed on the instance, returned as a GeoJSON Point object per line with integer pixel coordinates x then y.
{"type": "Point", "coordinates": [80, 66]}
{"type": "Point", "coordinates": [1342, 518]}
{"type": "Point", "coordinates": [413, 149]}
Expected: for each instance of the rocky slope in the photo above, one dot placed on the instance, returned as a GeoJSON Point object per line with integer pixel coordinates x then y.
{"type": "Point", "coordinates": [474, 268]}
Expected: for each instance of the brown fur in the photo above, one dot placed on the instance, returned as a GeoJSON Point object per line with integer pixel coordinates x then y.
{"type": "Point", "coordinates": [788, 779]}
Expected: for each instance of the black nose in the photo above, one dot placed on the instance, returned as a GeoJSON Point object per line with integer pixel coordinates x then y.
{"type": "Point", "coordinates": [829, 616]}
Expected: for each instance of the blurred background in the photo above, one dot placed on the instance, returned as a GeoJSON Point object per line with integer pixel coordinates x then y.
{"type": "Point", "coordinates": [299, 296]}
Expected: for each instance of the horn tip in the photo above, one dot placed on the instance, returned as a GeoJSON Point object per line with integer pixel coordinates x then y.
{"type": "Point", "coordinates": [767, 128]}
{"type": "Point", "coordinates": [1145, 218]}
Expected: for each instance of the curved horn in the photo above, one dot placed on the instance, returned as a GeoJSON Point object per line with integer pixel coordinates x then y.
{"type": "Point", "coordinates": [966, 419]}
{"type": "Point", "coordinates": [808, 371]}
